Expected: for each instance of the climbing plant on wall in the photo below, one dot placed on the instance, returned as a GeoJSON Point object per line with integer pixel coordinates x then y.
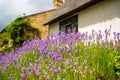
{"type": "Point", "coordinates": [20, 30]}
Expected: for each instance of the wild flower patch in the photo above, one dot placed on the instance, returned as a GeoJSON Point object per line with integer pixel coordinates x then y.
{"type": "Point", "coordinates": [72, 56]}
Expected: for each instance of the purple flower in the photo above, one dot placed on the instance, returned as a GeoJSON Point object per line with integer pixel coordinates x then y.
{"type": "Point", "coordinates": [0, 58]}
{"type": "Point", "coordinates": [33, 69]}
{"type": "Point", "coordinates": [24, 43]}
{"type": "Point", "coordinates": [62, 49]}
{"type": "Point", "coordinates": [118, 36]}
{"type": "Point", "coordinates": [14, 62]}
{"type": "Point", "coordinates": [7, 66]}
{"type": "Point", "coordinates": [23, 76]}
{"type": "Point", "coordinates": [93, 33]}
{"type": "Point", "coordinates": [37, 61]}
{"type": "Point", "coordinates": [111, 42]}
{"type": "Point", "coordinates": [49, 54]}
{"type": "Point", "coordinates": [90, 37]}
{"type": "Point", "coordinates": [59, 69]}
{"type": "Point", "coordinates": [114, 35]}
{"type": "Point", "coordinates": [57, 57]}
{"type": "Point", "coordinates": [36, 66]}
{"type": "Point", "coordinates": [83, 36]}
{"type": "Point", "coordinates": [68, 51]}
{"type": "Point", "coordinates": [98, 37]}
{"type": "Point", "coordinates": [59, 33]}
{"type": "Point", "coordinates": [69, 31]}
{"type": "Point", "coordinates": [35, 37]}
{"type": "Point", "coordinates": [77, 35]}
{"type": "Point", "coordinates": [106, 31]}
{"type": "Point", "coordinates": [9, 78]}
{"type": "Point", "coordinates": [53, 70]}
{"type": "Point", "coordinates": [24, 71]}
{"type": "Point", "coordinates": [71, 59]}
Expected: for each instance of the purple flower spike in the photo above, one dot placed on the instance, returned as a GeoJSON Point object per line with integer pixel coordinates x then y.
{"type": "Point", "coordinates": [23, 44]}
{"type": "Point", "coordinates": [78, 35]}
{"type": "Point", "coordinates": [23, 76]}
{"type": "Point", "coordinates": [24, 71]}
{"type": "Point", "coordinates": [69, 30]}
{"type": "Point", "coordinates": [59, 33]}
{"type": "Point", "coordinates": [93, 33]}
{"type": "Point", "coordinates": [118, 36]}
{"type": "Point", "coordinates": [114, 35]}
{"type": "Point", "coordinates": [35, 37]}
{"type": "Point", "coordinates": [59, 69]}
{"type": "Point", "coordinates": [106, 30]}
{"type": "Point", "coordinates": [68, 51]}
{"type": "Point", "coordinates": [14, 62]}
{"type": "Point", "coordinates": [9, 78]}
{"type": "Point", "coordinates": [90, 37]}
{"type": "Point", "coordinates": [62, 49]}
{"type": "Point", "coordinates": [37, 61]}
{"type": "Point", "coordinates": [0, 58]}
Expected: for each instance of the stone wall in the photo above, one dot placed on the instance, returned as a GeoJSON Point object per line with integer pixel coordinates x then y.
{"type": "Point", "coordinates": [37, 20]}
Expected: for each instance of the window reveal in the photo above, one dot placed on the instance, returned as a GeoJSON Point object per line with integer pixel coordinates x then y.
{"type": "Point", "coordinates": [70, 23]}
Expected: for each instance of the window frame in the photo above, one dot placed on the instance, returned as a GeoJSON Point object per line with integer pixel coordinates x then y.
{"type": "Point", "coordinates": [69, 23]}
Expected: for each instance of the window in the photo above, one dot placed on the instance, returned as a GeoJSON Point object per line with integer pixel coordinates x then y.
{"type": "Point", "coordinates": [70, 23]}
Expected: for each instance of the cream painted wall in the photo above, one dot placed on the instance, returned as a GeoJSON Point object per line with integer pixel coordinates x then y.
{"type": "Point", "coordinates": [54, 28]}
{"type": "Point", "coordinates": [100, 17]}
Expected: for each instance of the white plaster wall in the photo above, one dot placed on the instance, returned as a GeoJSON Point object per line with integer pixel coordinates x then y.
{"type": "Point", "coordinates": [100, 17]}
{"type": "Point", "coordinates": [54, 28]}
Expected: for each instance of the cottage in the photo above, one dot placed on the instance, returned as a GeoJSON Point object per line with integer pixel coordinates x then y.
{"type": "Point", "coordinates": [85, 15]}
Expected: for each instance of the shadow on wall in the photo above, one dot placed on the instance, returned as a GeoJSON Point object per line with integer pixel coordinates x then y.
{"type": "Point", "coordinates": [104, 11]}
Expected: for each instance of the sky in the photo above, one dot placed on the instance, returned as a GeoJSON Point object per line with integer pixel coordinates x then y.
{"type": "Point", "coordinates": [11, 9]}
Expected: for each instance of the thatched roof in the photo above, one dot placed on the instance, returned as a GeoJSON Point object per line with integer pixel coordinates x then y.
{"type": "Point", "coordinates": [68, 8]}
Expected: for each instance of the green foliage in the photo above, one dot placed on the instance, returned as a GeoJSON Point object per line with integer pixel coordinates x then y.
{"type": "Point", "coordinates": [117, 65]}
{"type": "Point", "coordinates": [16, 30]}
{"type": "Point", "coordinates": [19, 30]}
{"type": "Point", "coordinates": [4, 38]}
